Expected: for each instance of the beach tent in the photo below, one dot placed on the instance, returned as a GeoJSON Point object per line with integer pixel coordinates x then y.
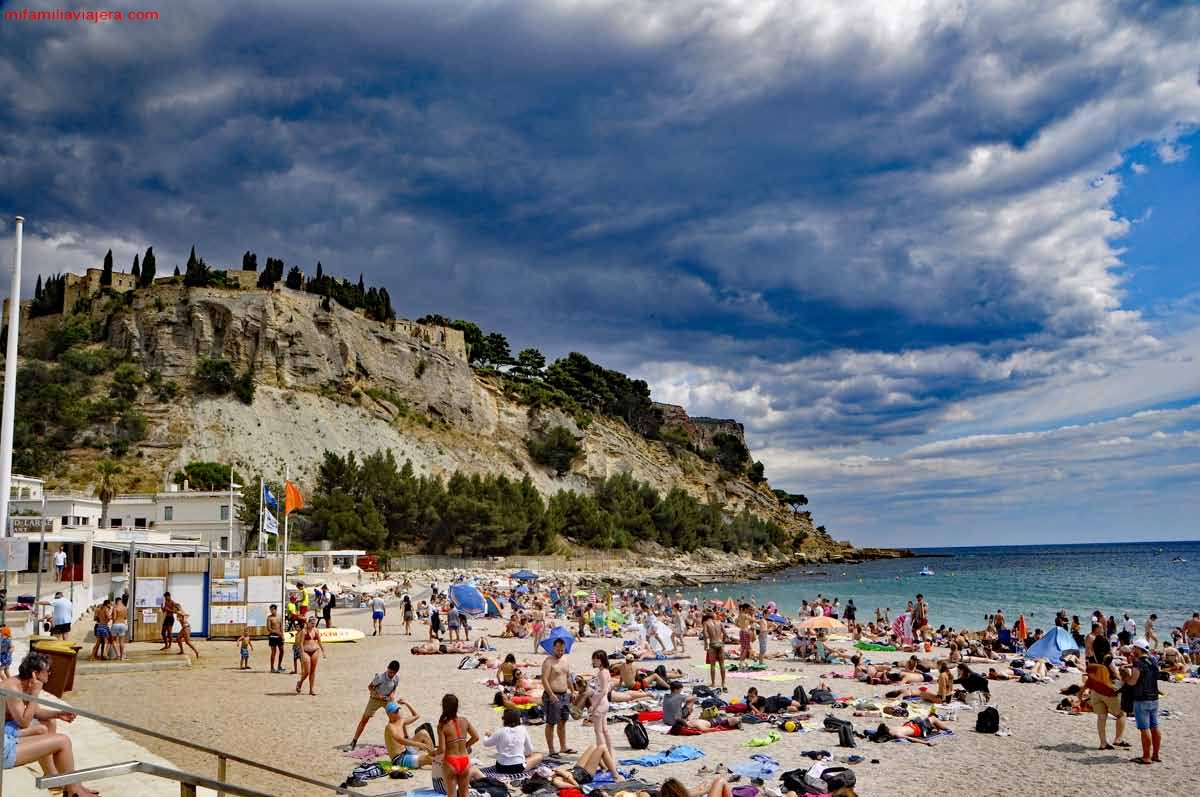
{"type": "Point", "coordinates": [493, 610]}
{"type": "Point", "coordinates": [1057, 641]}
{"type": "Point", "coordinates": [467, 598]}
{"type": "Point", "coordinates": [525, 575]}
{"type": "Point", "coordinates": [558, 632]}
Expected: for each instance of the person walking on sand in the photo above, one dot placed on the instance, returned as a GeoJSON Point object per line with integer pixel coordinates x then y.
{"type": "Point", "coordinates": [408, 615]}
{"type": "Point", "coordinates": [380, 692]}
{"type": "Point", "coordinates": [245, 648]}
{"type": "Point", "coordinates": [1142, 677]}
{"type": "Point", "coordinates": [556, 696]}
{"type": "Point", "coordinates": [275, 638]}
{"type": "Point", "coordinates": [714, 643]}
{"type": "Point", "coordinates": [311, 649]}
{"type": "Point", "coordinates": [184, 637]}
{"type": "Point", "coordinates": [378, 610]}
{"type": "Point", "coordinates": [454, 747]}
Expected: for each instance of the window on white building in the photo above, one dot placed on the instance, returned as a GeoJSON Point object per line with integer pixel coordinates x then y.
{"type": "Point", "coordinates": [224, 512]}
{"type": "Point", "coordinates": [139, 523]}
{"type": "Point", "coordinates": [115, 522]}
{"type": "Point", "coordinates": [168, 513]}
{"type": "Point", "coordinates": [224, 543]}
{"type": "Point", "coordinates": [66, 520]}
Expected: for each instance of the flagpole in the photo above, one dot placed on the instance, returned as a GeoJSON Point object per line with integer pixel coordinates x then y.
{"type": "Point", "coordinates": [231, 540]}
{"type": "Point", "coordinates": [262, 505]}
{"type": "Point", "coordinates": [287, 475]}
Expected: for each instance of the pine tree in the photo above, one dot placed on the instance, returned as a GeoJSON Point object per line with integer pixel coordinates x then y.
{"type": "Point", "coordinates": [386, 313]}
{"type": "Point", "coordinates": [192, 261]}
{"type": "Point", "coordinates": [176, 271]}
{"type": "Point", "coordinates": [136, 271]}
{"type": "Point", "coordinates": [106, 273]}
{"type": "Point", "coordinates": [148, 268]}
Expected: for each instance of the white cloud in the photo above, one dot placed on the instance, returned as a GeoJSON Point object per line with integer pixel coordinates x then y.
{"type": "Point", "coordinates": [1171, 152]}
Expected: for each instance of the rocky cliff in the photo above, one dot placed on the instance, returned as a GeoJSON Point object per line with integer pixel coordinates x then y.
{"type": "Point", "coordinates": [333, 379]}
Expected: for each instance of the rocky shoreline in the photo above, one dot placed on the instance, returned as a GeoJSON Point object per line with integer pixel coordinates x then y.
{"type": "Point", "coordinates": [654, 566]}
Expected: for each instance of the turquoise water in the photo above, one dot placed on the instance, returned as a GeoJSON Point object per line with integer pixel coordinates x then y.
{"type": "Point", "coordinates": [1137, 578]}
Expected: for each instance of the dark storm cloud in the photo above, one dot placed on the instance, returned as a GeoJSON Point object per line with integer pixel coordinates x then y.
{"type": "Point", "coordinates": [888, 212]}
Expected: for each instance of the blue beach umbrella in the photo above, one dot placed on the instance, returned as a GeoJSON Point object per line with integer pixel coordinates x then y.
{"type": "Point", "coordinates": [468, 599]}
{"type": "Point", "coordinates": [525, 575]}
{"type": "Point", "coordinates": [777, 618]}
{"type": "Point", "coordinates": [558, 633]}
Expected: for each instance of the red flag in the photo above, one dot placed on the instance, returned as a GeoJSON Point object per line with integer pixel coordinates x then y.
{"type": "Point", "coordinates": [292, 500]}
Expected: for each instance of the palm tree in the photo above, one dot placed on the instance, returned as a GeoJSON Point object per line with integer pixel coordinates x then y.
{"type": "Point", "coordinates": [108, 491]}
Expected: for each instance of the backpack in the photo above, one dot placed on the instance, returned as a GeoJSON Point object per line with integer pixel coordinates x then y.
{"type": "Point", "coordinates": [367, 771]}
{"type": "Point", "coordinates": [332, 601]}
{"type": "Point", "coordinates": [635, 732]}
{"type": "Point", "coordinates": [825, 778]}
{"type": "Point", "coordinates": [793, 780]}
{"type": "Point", "coordinates": [800, 696]}
{"type": "Point", "coordinates": [820, 696]}
{"type": "Point", "coordinates": [988, 720]}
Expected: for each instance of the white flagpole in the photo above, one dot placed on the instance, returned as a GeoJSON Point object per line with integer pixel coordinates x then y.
{"type": "Point", "coordinates": [10, 384]}
{"type": "Point", "coordinates": [287, 474]}
{"type": "Point", "coordinates": [262, 505]}
{"type": "Point", "coordinates": [231, 540]}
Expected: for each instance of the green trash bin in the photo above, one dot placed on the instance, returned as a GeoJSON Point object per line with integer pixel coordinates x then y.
{"type": "Point", "coordinates": [62, 656]}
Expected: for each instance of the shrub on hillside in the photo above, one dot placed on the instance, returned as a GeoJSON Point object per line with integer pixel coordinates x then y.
{"type": "Point", "coordinates": [557, 449]}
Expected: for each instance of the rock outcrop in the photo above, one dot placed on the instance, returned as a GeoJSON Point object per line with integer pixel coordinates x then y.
{"type": "Point", "coordinates": [335, 380]}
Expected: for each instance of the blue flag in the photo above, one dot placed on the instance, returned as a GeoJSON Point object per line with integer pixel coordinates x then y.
{"type": "Point", "coordinates": [269, 499]}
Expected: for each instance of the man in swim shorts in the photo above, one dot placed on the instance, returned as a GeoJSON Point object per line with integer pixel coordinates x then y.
{"type": "Point", "coordinates": [556, 699]}
{"type": "Point", "coordinates": [714, 641]}
{"type": "Point", "coordinates": [275, 638]}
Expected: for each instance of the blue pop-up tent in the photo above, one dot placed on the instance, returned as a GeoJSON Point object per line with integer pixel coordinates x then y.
{"type": "Point", "coordinates": [1050, 647]}
{"type": "Point", "coordinates": [525, 575]}
{"type": "Point", "coordinates": [468, 599]}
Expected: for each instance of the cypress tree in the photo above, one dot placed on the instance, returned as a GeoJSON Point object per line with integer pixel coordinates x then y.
{"type": "Point", "coordinates": [249, 261]}
{"type": "Point", "coordinates": [192, 261]}
{"type": "Point", "coordinates": [136, 271]}
{"type": "Point", "coordinates": [148, 268]}
{"type": "Point", "coordinates": [176, 271]}
{"type": "Point", "coordinates": [37, 290]}
{"type": "Point", "coordinates": [106, 273]}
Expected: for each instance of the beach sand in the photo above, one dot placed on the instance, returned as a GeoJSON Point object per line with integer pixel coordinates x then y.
{"type": "Point", "coordinates": [258, 715]}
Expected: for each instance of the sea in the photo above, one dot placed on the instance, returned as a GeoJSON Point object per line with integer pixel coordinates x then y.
{"type": "Point", "coordinates": [969, 583]}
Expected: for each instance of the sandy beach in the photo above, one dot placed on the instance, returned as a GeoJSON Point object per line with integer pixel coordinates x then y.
{"type": "Point", "coordinates": [258, 714]}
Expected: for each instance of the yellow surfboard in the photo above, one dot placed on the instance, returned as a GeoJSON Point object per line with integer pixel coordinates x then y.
{"type": "Point", "coordinates": [330, 636]}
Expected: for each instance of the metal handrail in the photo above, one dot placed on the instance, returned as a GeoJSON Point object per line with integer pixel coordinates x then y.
{"type": "Point", "coordinates": [222, 756]}
{"type": "Point", "coordinates": [188, 782]}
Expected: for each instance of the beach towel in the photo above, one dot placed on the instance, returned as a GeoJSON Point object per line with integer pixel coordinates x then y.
{"type": "Point", "coordinates": [696, 732]}
{"type": "Point", "coordinates": [933, 735]}
{"type": "Point", "coordinates": [763, 741]}
{"type": "Point", "coordinates": [673, 755]}
{"type": "Point", "coordinates": [873, 646]}
{"type": "Point", "coordinates": [367, 752]}
{"type": "Point", "coordinates": [760, 765]}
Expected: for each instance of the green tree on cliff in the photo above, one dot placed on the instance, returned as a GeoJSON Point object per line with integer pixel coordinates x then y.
{"type": "Point", "coordinates": [107, 271]}
{"type": "Point", "coordinates": [136, 270]}
{"type": "Point", "coordinates": [148, 268]}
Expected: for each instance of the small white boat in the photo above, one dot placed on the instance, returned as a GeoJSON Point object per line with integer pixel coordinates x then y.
{"type": "Point", "coordinates": [1178, 560]}
{"type": "Point", "coordinates": [925, 571]}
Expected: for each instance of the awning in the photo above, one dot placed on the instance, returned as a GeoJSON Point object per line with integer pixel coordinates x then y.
{"type": "Point", "coordinates": [153, 547]}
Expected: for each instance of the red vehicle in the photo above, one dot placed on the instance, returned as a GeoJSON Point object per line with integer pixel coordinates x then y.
{"type": "Point", "coordinates": [369, 564]}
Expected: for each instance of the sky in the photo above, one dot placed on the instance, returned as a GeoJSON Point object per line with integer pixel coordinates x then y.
{"type": "Point", "coordinates": [938, 257]}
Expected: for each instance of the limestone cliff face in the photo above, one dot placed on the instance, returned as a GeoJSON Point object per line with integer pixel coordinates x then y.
{"type": "Point", "coordinates": [314, 369]}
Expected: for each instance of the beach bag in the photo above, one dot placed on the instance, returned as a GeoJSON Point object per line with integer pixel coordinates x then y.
{"type": "Point", "coordinates": [635, 733]}
{"type": "Point", "coordinates": [490, 787]}
{"type": "Point", "coordinates": [820, 696]}
{"type": "Point", "coordinates": [367, 771]}
{"type": "Point", "coordinates": [988, 721]}
{"type": "Point", "coordinates": [332, 601]}
{"type": "Point", "coordinates": [700, 690]}
{"type": "Point", "coordinates": [793, 780]}
{"type": "Point", "coordinates": [800, 696]}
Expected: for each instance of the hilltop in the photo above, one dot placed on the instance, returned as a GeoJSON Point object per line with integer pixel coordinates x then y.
{"type": "Point", "coordinates": [268, 377]}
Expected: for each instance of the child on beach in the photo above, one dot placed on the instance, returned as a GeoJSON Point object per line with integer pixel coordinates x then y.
{"type": "Point", "coordinates": [245, 646]}
{"type": "Point", "coordinates": [6, 650]}
{"type": "Point", "coordinates": [295, 654]}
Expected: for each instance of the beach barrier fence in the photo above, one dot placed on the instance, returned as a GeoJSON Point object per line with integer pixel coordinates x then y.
{"type": "Point", "coordinates": [557, 563]}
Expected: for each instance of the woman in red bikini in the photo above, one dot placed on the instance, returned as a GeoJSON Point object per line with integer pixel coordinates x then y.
{"type": "Point", "coordinates": [311, 649]}
{"type": "Point", "coordinates": [454, 748]}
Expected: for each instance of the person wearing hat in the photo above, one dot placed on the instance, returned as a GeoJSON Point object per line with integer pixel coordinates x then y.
{"type": "Point", "coordinates": [407, 750]}
{"type": "Point", "coordinates": [380, 692]}
{"type": "Point", "coordinates": [1143, 678]}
